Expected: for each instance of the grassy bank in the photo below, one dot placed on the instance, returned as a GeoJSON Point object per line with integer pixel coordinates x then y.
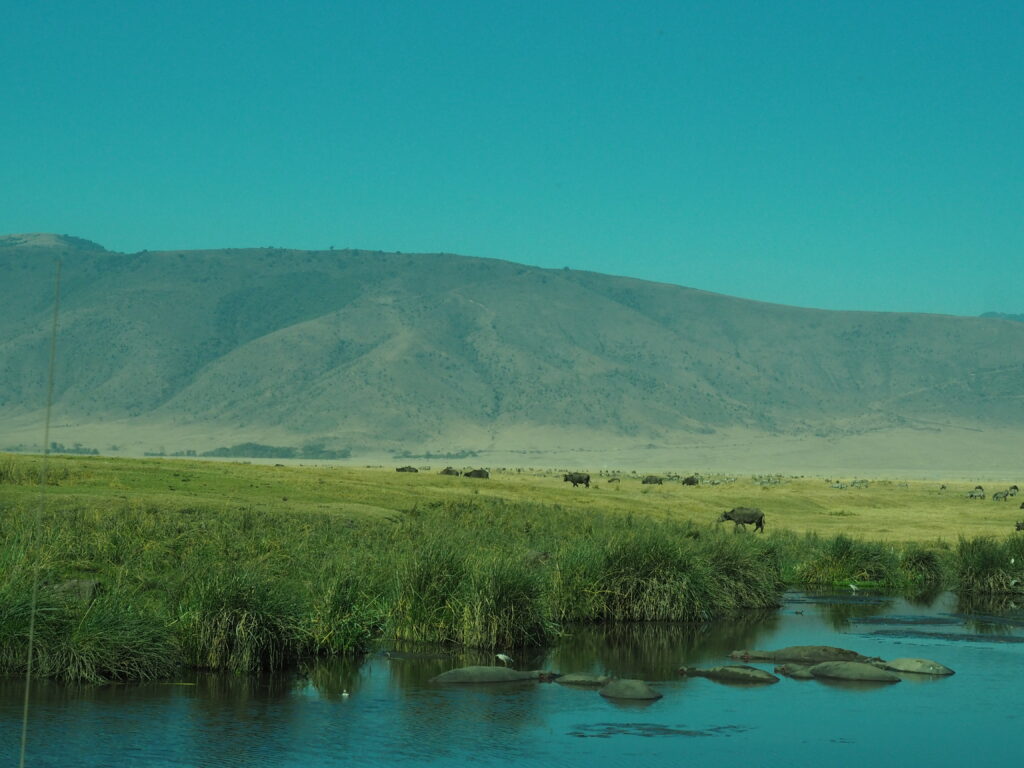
{"type": "Point", "coordinates": [148, 566]}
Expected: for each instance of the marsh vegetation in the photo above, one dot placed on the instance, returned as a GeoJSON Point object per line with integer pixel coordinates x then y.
{"type": "Point", "coordinates": [238, 567]}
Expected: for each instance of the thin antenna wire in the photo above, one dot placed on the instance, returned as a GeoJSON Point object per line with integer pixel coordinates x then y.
{"type": "Point", "coordinates": [39, 512]}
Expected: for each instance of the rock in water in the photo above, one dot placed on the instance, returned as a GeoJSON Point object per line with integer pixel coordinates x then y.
{"type": "Point", "coordinates": [917, 666]}
{"type": "Point", "coordinates": [629, 689]}
{"type": "Point", "coordinates": [732, 673]}
{"type": "Point", "coordinates": [853, 670]}
{"type": "Point", "coordinates": [485, 675]}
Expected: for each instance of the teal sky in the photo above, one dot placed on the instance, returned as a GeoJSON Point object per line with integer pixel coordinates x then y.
{"type": "Point", "coordinates": [843, 155]}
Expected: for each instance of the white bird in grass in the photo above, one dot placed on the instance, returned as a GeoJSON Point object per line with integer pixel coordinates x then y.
{"type": "Point", "coordinates": [853, 587]}
{"type": "Point", "coordinates": [504, 658]}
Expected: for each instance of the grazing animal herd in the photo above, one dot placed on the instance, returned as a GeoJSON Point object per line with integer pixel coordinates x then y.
{"type": "Point", "coordinates": [740, 516]}
{"type": "Point", "coordinates": [979, 493]}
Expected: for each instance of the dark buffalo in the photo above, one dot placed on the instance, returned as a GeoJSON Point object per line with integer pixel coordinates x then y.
{"type": "Point", "coordinates": [1020, 524]}
{"type": "Point", "coordinates": [477, 473]}
{"type": "Point", "coordinates": [406, 469]}
{"type": "Point", "coordinates": [450, 471]}
{"type": "Point", "coordinates": [651, 480]}
{"type": "Point", "coordinates": [691, 480]}
{"type": "Point", "coordinates": [577, 478]}
{"type": "Point", "coordinates": [744, 516]}
{"type": "Point", "coordinates": [1000, 495]}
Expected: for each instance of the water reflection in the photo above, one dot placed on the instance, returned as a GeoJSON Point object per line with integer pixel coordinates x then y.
{"type": "Point", "coordinates": [839, 609]}
{"type": "Point", "coordinates": [992, 614]}
{"type": "Point", "coordinates": [655, 650]}
{"type": "Point", "coordinates": [331, 678]}
{"type": "Point", "coordinates": [394, 714]}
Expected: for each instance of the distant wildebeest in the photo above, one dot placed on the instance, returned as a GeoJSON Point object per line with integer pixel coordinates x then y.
{"type": "Point", "coordinates": [577, 478]}
{"type": "Point", "coordinates": [651, 480]}
{"type": "Point", "coordinates": [1020, 524]}
{"type": "Point", "coordinates": [977, 493]}
{"type": "Point", "coordinates": [744, 516]}
{"type": "Point", "coordinates": [406, 469]}
{"type": "Point", "coordinates": [477, 473]}
{"type": "Point", "coordinates": [691, 480]}
{"type": "Point", "coordinates": [1000, 495]}
{"type": "Point", "coordinates": [450, 471]}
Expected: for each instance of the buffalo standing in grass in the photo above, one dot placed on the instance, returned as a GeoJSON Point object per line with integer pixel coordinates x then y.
{"type": "Point", "coordinates": [406, 469]}
{"type": "Point", "coordinates": [651, 480]}
{"type": "Point", "coordinates": [1020, 525]}
{"type": "Point", "coordinates": [744, 516]}
{"type": "Point", "coordinates": [483, 473]}
{"type": "Point", "coordinates": [577, 478]}
{"type": "Point", "coordinates": [691, 480]}
{"type": "Point", "coordinates": [450, 471]}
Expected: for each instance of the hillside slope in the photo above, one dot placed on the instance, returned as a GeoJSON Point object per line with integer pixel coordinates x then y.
{"type": "Point", "coordinates": [383, 350]}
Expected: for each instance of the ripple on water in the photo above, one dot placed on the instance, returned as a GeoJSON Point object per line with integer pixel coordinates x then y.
{"type": "Point", "coordinates": [607, 730]}
{"type": "Point", "coordinates": [948, 636]}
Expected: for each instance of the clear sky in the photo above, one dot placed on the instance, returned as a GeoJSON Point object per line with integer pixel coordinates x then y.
{"type": "Point", "coordinates": [844, 155]}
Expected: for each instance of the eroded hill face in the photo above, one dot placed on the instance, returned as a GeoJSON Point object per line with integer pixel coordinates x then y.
{"type": "Point", "coordinates": [434, 351]}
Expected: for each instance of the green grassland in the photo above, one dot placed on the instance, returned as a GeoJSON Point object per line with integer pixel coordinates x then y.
{"type": "Point", "coordinates": [244, 567]}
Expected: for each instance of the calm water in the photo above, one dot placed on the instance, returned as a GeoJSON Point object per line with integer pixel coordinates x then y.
{"type": "Point", "coordinates": [394, 715]}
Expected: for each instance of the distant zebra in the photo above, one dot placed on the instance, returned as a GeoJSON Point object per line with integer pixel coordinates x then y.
{"type": "Point", "coordinates": [976, 493]}
{"type": "Point", "coordinates": [1013, 490]}
{"type": "Point", "coordinates": [1000, 495]}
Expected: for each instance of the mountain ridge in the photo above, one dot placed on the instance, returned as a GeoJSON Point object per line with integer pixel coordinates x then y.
{"type": "Point", "coordinates": [378, 351]}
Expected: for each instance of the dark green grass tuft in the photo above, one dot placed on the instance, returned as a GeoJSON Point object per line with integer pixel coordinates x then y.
{"type": "Point", "coordinates": [239, 621]}
{"type": "Point", "coordinates": [986, 565]}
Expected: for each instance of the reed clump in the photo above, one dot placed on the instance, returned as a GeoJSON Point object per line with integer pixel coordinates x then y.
{"type": "Point", "coordinates": [203, 581]}
{"type": "Point", "coordinates": [843, 560]}
{"type": "Point", "coordinates": [108, 639]}
{"type": "Point", "coordinates": [240, 622]}
{"type": "Point", "coordinates": [989, 566]}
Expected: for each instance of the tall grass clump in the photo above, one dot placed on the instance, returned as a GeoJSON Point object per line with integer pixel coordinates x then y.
{"type": "Point", "coordinates": [241, 621]}
{"type": "Point", "coordinates": [503, 605]}
{"type": "Point", "coordinates": [662, 572]}
{"type": "Point", "coordinates": [748, 571]}
{"type": "Point", "coordinates": [427, 605]}
{"type": "Point", "coordinates": [651, 577]}
{"type": "Point", "coordinates": [922, 567]}
{"type": "Point", "coordinates": [985, 565]}
{"type": "Point", "coordinates": [106, 640]}
{"type": "Point", "coordinates": [346, 614]}
{"type": "Point", "coordinates": [842, 560]}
